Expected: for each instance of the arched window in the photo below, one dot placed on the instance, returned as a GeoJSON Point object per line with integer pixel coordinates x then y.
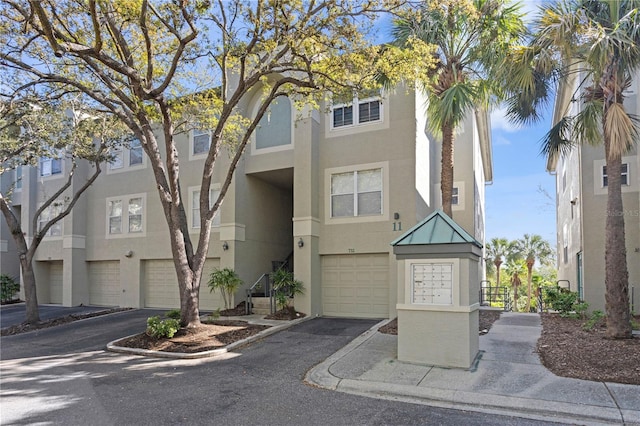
{"type": "Point", "coordinates": [275, 126]}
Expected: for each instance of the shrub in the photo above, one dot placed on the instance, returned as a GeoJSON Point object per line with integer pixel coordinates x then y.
{"type": "Point", "coordinates": [8, 288]}
{"type": "Point", "coordinates": [285, 287]}
{"type": "Point", "coordinates": [227, 282]}
{"type": "Point", "coordinates": [566, 303]}
{"type": "Point", "coordinates": [594, 319]}
{"type": "Point", "coordinates": [159, 329]}
{"type": "Point", "coordinates": [173, 314]}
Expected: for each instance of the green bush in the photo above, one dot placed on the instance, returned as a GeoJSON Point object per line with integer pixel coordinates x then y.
{"type": "Point", "coordinates": [159, 329]}
{"type": "Point", "coordinates": [227, 282]}
{"type": "Point", "coordinates": [566, 303]}
{"type": "Point", "coordinates": [8, 288]}
{"type": "Point", "coordinates": [173, 314]}
{"type": "Point", "coordinates": [285, 287]}
{"type": "Point", "coordinates": [594, 319]}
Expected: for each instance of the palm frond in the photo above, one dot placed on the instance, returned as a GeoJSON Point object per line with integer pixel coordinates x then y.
{"type": "Point", "coordinates": [587, 123]}
{"type": "Point", "coordinates": [452, 105]}
{"type": "Point", "coordinates": [557, 142]}
{"type": "Point", "coordinates": [620, 129]}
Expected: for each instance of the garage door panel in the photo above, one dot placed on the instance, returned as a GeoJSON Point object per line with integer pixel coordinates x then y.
{"type": "Point", "coordinates": [160, 285]}
{"type": "Point", "coordinates": [355, 285]}
{"type": "Point", "coordinates": [104, 283]}
{"type": "Point", "coordinates": [55, 282]}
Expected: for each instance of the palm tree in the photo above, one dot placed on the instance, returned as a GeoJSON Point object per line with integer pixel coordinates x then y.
{"type": "Point", "coordinates": [470, 37]}
{"type": "Point", "coordinates": [496, 250]}
{"type": "Point", "coordinates": [600, 40]}
{"type": "Point", "coordinates": [515, 267]}
{"type": "Point", "coordinates": [532, 248]}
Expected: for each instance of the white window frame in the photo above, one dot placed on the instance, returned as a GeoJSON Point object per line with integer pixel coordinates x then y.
{"type": "Point", "coordinates": [50, 174]}
{"type": "Point", "coordinates": [384, 214]}
{"type": "Point", "coordinates": [355, 108]}
{"type": "Point", "coordinates": [254, 145]}
{"type": "Point", "coordinates": [125, 216]}
{"type": "Point", "coordinates": [47, 214]}
{"type": "Point", "coordinates": [214, 191]}
{"type": "Point", "coordinates": [125, 160]}
{"type": "Point", "coordinates": [624, 175]}
{"type": "Point", "coordinates": [192, 136]}
{"type": "Point", "coordinates": [455, 196]}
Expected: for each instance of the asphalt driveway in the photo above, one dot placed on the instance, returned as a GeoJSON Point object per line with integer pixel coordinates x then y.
{"type": "Point", "coordinates": [62, 375]}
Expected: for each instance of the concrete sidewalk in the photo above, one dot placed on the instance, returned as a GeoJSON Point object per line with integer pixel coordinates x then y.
{"type": "Point", "coordinates": [507, 379]}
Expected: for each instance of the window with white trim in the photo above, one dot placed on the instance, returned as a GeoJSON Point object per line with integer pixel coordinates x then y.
{"type": "Point", "coordinates": [454, 196]}
{"type": "Point", "coordinates": [195, 207]}
{"type": "Point", "coordinates": [126, 157]}
{"type": "Point", "coordinates": [357, 193]}
{"type": "Point", "coordinates": [135, 153]}
{"type": "Point", "coordinates": [50, 166]}
{"type": "Point", "coordinates": [368, 110]}
{"type": "Point", "coordinates": [125, 215]}
{"type": "Point", "coordinates": [200, 142]}
{"type": "Point", "coordinates": [624, 175]}
{"type": "Point", "coordinates": [47, 215]}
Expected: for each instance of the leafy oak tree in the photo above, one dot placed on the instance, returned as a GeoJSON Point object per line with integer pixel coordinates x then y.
{"type": "Point", "coordinates": [58, 130]}
{"type": "Point", "coordinates": [167, 66]}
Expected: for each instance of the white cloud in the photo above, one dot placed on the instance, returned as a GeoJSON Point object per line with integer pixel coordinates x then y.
{"type": "Point", "coordinates": [499, 121]}
{"type": "Point", "coordinates": [500, 141]}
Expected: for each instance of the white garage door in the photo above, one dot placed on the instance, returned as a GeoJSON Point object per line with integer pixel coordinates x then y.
{"type": "Point", "coordinates": [104, 283]}
{"type": "Point", "coordinates": [160, 285]}
{"type": "Point", "coordinates": [356, 285]}
{"type": "Point", "coordinates": [55, 282]}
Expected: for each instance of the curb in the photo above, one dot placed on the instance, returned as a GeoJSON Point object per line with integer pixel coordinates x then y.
{"type": "Point", "coordinates": [113, 345]}
{"type": "Point", "coordinates": [321, 376]}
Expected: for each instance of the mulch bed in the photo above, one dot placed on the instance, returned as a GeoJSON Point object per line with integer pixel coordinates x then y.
{"type": "Point", "coordinates": [286, 314]}
{"type": "Point", "coordinates": [23, 328]}
{"type": "Point", "coordinates": [568, 350]}
{"type": "Point", "coordinates": [239, 310]}
{"type": "Point", "coordinates": [487, 318]}
{"type": "Point", "coordinates": [207, 336]}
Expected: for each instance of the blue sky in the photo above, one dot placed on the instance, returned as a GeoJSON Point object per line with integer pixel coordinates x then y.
{"type": "Point", "coordinates": [521, 199]}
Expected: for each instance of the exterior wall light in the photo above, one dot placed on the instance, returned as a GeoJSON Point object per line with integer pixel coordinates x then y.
{"type": "Point", "coordinates": [129, 253]}
{"type": "Point", "coordinates": [300, 243]}
{"type": "Point", "coordinates": [225, 246]}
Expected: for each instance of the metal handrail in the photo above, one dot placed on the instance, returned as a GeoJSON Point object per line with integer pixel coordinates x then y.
{"type": "Point", "coordinates": [267, 290]}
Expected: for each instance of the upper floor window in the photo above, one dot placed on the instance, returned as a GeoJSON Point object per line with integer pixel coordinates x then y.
{"type": "Point", "coordinates": [200, 141]}
{"type": "Point", "coordinates": [125, 215]}
{"type": "Point", "coordinates": [367, 111]}
{"type": "Point", "coordinates": [357, 193]}
{"type": "Point", "coordinates": [127, 157]}
{"type": "Point", "coordinates": [50, 166]}
{"type": "Point", "coordinates": [195, 207]}
{"type": "Point", "coordinates": [135, 153]}
{"type": "Point", "coordinates": [624, 175]}
{"type": "Point", "coordinates": [47, 215]}
{"type": "Point", "coordinates": [455, 200]}
{"type": "Point", "coordinates": [274, 129]}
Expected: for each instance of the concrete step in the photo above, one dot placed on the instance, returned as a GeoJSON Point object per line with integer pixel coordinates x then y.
{"type": "Point", "coordinates": [261, 305]}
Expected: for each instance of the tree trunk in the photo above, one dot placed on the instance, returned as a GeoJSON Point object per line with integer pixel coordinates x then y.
{"type": "Point", "coordinates": [446, 176]}
{"type": "Point", "coordinates": [616, 273]}
{"type": "Point", "coordinates": [26, 259]}
{"type": "Point", "coordinates": [529, 279]}
{"type": "Point", "coordinates": [30, 290]}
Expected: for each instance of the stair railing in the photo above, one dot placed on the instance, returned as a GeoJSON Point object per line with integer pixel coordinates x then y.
{"type": "Point", "coordinates": [262, 281]}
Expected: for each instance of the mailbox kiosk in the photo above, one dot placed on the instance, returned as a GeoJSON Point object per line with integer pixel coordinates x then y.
{"type": "Point", "coordinates": [439, 264]}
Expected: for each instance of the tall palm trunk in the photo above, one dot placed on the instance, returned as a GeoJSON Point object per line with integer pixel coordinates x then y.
{"type": "Point", "coordinates": [616, 274]}
{"type": "Point", "coordinates": [530, 263]}
{"type": "Point", "coordinates": [446, 176]}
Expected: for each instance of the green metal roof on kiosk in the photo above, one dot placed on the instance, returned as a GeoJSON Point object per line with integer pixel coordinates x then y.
{"type": "Point", "coordinates": [437, 228]}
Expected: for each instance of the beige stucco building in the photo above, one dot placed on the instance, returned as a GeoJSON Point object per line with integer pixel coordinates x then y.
{"type": "Point", "coordinates": [329, 190]}
{"type": "Point", "coordinates": [581, 205]}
